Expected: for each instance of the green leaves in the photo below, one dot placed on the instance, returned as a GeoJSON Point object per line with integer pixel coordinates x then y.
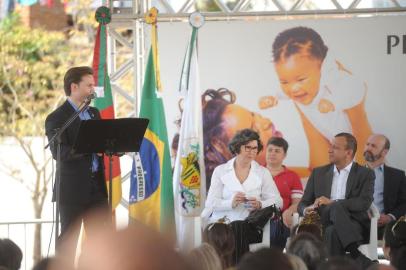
{"type": "Point", "coordinates": [32, 65]}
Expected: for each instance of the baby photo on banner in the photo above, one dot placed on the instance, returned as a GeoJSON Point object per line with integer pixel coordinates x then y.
{"type": "Point", "coordinates": [303, 80]}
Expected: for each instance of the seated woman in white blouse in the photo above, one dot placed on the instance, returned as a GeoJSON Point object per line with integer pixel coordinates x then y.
{"type": "Point", "coordinates": [241, 185]}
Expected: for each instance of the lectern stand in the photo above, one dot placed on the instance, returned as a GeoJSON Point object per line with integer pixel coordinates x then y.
{"type": "Point", "coordinates": [111, 137]}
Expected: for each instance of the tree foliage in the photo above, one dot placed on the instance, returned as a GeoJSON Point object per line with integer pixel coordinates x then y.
{"type": "Point", "coordinates": [32, 65]}
{"type": "Point", "coordinates": [33, 62]}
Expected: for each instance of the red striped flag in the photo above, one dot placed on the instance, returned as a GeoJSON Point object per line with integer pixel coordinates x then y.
{"type": "Point", "coordinates": [104, 100]}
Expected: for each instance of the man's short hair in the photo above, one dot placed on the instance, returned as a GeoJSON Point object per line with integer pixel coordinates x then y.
{"type": "Point", "coordinates": [74, 75]}
{"type": "Point", "coordinates": [280, 142]}
{"type": "Point", "coordinates": [351, 141]}
{"type": "Point", "coordinates": [387, 143]}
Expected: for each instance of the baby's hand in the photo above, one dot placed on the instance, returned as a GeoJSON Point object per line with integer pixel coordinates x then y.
{"type": "Point", "coordinates": [267, 102]}
{"type": "Point", "coordinates": [326, 106]}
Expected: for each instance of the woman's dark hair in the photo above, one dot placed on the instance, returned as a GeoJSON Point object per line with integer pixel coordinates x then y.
{"type": "Point", "coordinates": [311, 250]}
{"type": "Point", "coordinates": [214, 103]}
{"type": "Point", "coordinates": [395, 238]}
{"type": "Point", "coordinates": [280, 142]}
{"type": "Point", "coordinates": [296, 39]}
{"type": "Point", "coordinates": [265, 259]}
{"type": "Point", "coordinates": [313, 229]}
{"type": "Point", "coordinates": [74, 75]}
{"type": "Point", "coordinates": [242, 138]}
{"type": "Point", "coordinates": [10, 254]}
{"type": "Point", "coordinates": [221, 237]}
{"type": "Point", "coordinates": [44, 264]}
{"type": "Point", "coordinates": [205, 257]}
{"type": "Point", "coordinates": [339, 263]}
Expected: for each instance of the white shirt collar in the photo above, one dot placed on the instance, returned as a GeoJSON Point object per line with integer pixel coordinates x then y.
{"type": "Point", "coordinates": [380, 167]}
{"type": "Point", "coordinates": [230, 164]}
{"type": "Point", "coordinates": [346, 169]}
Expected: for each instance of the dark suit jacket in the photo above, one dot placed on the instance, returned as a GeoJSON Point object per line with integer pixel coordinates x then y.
{"type": "Point", "coordinates": [394, 191]}
{"type": "Point", "coordinates": [358, 195]}
{"type": "Point", "coordinates": [76, 169]}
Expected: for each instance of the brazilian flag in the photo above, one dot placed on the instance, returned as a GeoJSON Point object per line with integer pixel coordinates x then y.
{"type": "Point", "coordinates": [151, 192]}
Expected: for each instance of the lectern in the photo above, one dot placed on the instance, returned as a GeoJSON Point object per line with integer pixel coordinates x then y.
{"type": "Point", "coordinates": [111, 137]}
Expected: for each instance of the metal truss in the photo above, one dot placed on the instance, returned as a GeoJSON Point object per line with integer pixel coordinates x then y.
{"type": "Point", "coordinates": [126, 30]}
{"type": "Point", "coordinates": [226, 9]}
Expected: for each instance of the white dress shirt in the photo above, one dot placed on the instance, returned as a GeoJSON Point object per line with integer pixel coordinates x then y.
{"type": "Point", "coordinates": [225, 184]}
{"type": "Point", "coordinates": [339, 185]}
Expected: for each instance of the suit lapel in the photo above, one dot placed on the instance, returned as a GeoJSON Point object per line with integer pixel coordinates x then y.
{"type": "Point", "coordinates": [351, 179]}
{"type": "Point", "coordinates": [74, 127]}
{"type": "Point", "coordinates": [386, 184]}
{"type": "Point", "coordinates": [67, 108]}
{"type": "Point", "coordinates": [91, 113]}
{"type": "Point", "coordinates": [329, 181]}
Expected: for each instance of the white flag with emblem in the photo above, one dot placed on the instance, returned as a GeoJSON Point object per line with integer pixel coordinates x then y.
{"type": "Point", "coordinates": [189, 174]}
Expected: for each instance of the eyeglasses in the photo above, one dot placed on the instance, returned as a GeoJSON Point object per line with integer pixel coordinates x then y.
{"type": "Point", "coordinates": [248, 148]}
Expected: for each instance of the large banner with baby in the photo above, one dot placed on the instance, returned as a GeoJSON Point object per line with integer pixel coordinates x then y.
{"type": "Point", "coordinates": [305, 80]}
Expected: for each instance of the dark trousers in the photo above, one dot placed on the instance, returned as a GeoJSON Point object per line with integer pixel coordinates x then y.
{"type": "Point", "coordinates": [279, 234]}
{"type": "Point", "coordinates": [340, 230]}
{"type": "Point", "coordinates": [381, 230]}
{"type": "Point", "coordinates": [72, 215]}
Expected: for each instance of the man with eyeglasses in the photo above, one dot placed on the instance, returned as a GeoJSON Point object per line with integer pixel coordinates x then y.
{"type": "Point", "coordinates": [390, 183]}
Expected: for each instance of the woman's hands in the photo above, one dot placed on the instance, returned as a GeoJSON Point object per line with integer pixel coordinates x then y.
{"type": "Point", "coordinates": [251, 202]}
{"type": "Point", "coordinates": [239, 197]}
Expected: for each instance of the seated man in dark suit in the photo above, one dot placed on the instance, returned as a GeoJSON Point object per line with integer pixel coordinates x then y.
{"type": "Point", "coordinates": [341, 192]}
{"type": "Point", "coordinates": [390, 183]}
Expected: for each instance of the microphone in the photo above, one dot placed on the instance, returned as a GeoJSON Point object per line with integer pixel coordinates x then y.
{"type": "Point", "coordinates": [90, 97]}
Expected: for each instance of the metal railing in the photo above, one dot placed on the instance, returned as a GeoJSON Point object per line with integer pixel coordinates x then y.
{"type": "Point", "coordinates": [22, 233]}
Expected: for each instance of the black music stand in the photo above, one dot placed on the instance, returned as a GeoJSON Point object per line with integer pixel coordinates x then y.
{"type": "Point", "coordinates": [112, 137]}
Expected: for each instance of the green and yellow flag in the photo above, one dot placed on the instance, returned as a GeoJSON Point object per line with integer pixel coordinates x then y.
{"type": "Point", "coordinates": [151, 192]}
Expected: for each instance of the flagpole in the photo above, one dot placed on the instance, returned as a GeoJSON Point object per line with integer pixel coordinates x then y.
{"type": "Point", "coordinates": [152, 204]}
{"type": "Point", "coordinates": [104, 103]}
{"type": "Point", "coordinates": [189, 173]}
{"type": "Point", "coordinates": [111, 181]}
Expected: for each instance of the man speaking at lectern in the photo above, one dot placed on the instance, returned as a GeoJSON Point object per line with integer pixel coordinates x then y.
{"type": "Point", "coordinates": [82, 184]}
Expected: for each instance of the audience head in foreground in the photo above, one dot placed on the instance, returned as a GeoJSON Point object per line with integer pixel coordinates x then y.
{"type": "Point", "coordinates": [309, 248]}
{"type": "Point", "coordinates": [221, 237]}
{"type": "Point", "coordinates": [205, 257]}
{"type": "Point", "coordinates": [265, 259]}
{"type": "Point", "coordinates": [339, 263]}
{"type": "Point", "coordinates": [394, 247]}
{"type": "Point", "coordinates": [136, 247]}
{"type": "Point", "coordinates": [10, 254]}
